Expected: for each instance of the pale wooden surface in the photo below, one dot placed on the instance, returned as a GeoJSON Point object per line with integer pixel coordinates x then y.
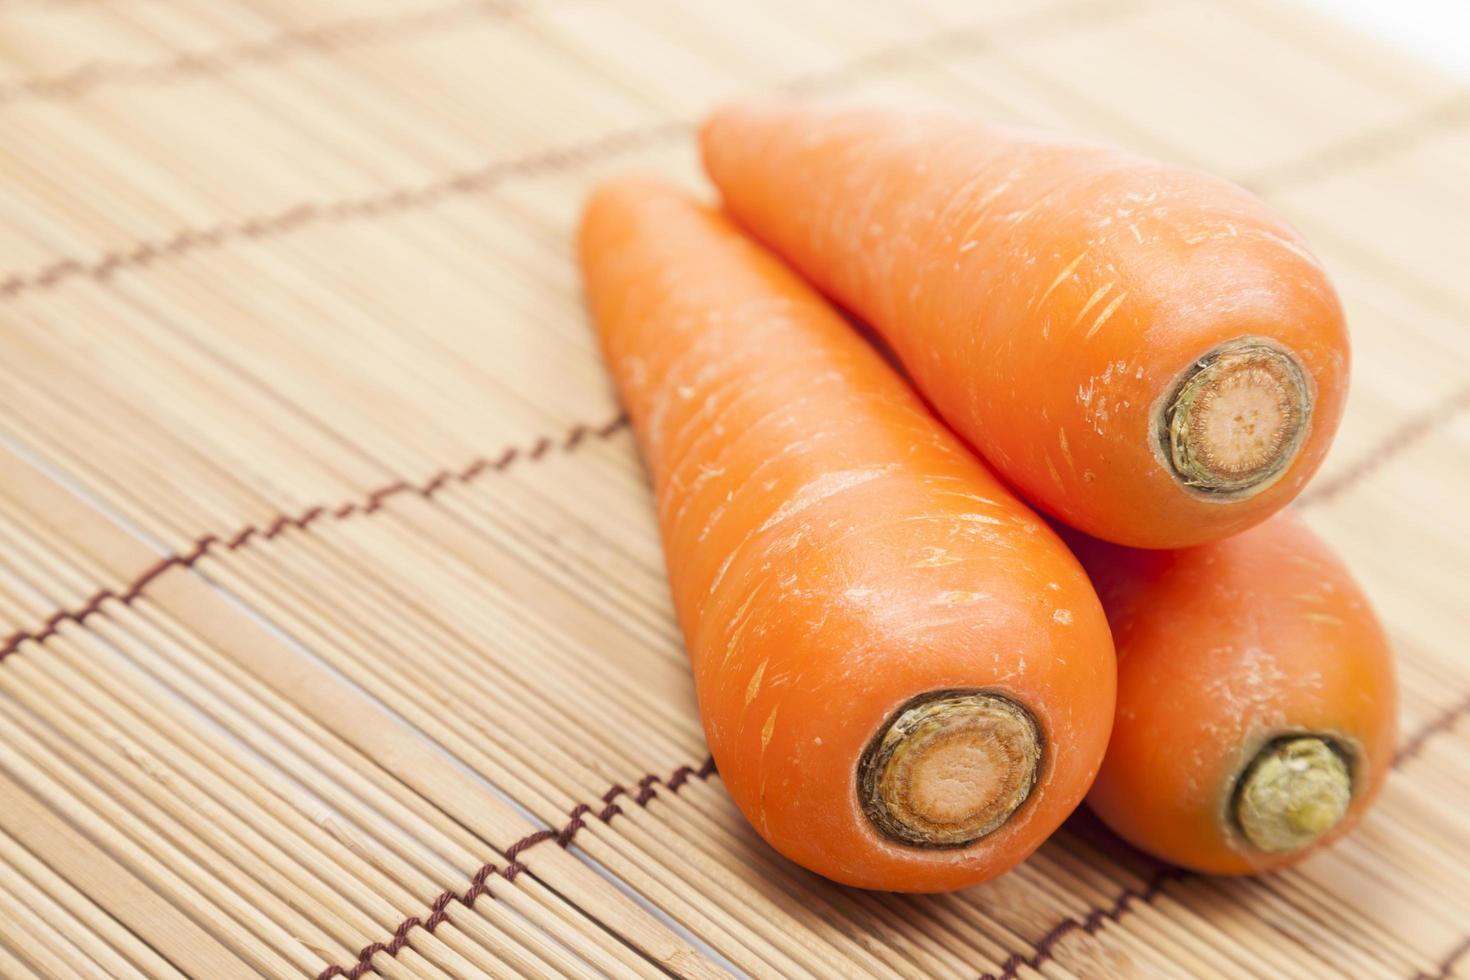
{"type": "Point", "coordinates": [332, 575]}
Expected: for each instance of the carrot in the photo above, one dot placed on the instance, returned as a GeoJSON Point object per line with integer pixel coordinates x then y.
{"type": "Point", "coordinates": [1145, 352]}
{"type": "Point", "coordinates": [904, 676]}
{"type": "Point", "coordinates": [1256, 698]}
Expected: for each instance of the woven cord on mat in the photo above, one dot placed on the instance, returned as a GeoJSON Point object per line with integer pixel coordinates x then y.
{"type": "Point", "coordinates": [1407, 434]}
{"type": "Point", "coordinates": [1405, 437]}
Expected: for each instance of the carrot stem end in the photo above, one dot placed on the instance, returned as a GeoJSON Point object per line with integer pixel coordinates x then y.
{"type": "Point", "coordinates": [1293, 793]}
{"type": "Point", "coordinates": [1237, 418]}
{"type": "Point", "coordinates": [950, 768]}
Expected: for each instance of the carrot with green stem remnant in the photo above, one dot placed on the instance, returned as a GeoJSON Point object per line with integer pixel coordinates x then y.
{"type": "Point", "coordinates": [1256, 698]}
{"type": "Point", "coordinates": [1145, 352]}
{"type": "Point", "coordinates": [905, 678]}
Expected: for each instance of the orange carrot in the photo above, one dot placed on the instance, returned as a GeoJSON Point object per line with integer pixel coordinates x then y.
{"type": "Point", "coordinates": [1256, 698]}
{"type": "Point", "coordinates": [905, 678]}
{"type": "Point", "coordinates": [1145, 352]}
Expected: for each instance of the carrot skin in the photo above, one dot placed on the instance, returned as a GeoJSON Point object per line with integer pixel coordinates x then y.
{"type": "Point", "coordinates": [1050, 297]}
{"type": "Point", "coordinates": [833, 552]}
{"type": "Point", "coordinates": [1223, 648]}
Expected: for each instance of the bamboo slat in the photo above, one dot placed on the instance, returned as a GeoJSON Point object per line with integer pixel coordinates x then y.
{"type": "Point", "coordinates": [334, 637]}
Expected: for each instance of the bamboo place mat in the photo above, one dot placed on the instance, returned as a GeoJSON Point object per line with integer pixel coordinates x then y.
{"type": "Point", "coordinates": [339, 637]}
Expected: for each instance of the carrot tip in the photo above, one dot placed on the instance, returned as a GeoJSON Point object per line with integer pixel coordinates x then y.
{"type": "Point", "coordinates": [1293, 792]}
{"type": "Point", "coordinates": [1236, 418]}
{"type": "Point", "coordinates": [949, 768]}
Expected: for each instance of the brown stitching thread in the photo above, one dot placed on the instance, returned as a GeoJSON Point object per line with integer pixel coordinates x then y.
{"type": "Point", "coordinates": [1402, 439]}
{"type": "Point", "coordinates": [1447, 965]}
{"type": "Point", "coordinates": [1042, 950]}
{"type": "Point", "coordinates": [511, 870]}
{"type": "Point", "coordinates": [331, 37]}
{"type": "Point", "coordinates": [1089, 924]}
{"type": "Point", "coordinates": [92, 605]}
{"type": "Point", "coordinates": [190, 240]}
{"type": "Point", "coordinates": [270, 50]}
{"type": "Point", "coordinates": [944, 43]}
{"type": "Point", "coordinates": [575, 437]}
{"type": "Point", "coordinates": [1444, 722]}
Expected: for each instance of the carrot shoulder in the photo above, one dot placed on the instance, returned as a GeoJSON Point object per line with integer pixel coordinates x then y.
{"type": "Point", "coordinates": [1256, 698]}
{"type": "Point", "coordinates": [1146, 352]}
{"type": "Point", "coordinates": [905, 678]}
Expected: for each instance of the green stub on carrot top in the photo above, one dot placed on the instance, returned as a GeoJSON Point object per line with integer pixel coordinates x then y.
{"type": "Point", "coordinates": [1294, 792]}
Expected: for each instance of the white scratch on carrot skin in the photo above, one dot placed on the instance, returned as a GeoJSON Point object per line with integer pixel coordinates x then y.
{"type": "Point", "coordinates": [1290, 246]}
{"type": "Point", "coordinates": [820, 489]}
{"type": "Point", "coordinates": [1062, 276]}
{"type": "Point", "coordinates": [1066, 450]}
{"type": "Point", "coordinates": [769, 729]}
{"type": "Point", "coordinates": [980, 205]}
{"type": "Point", "coordinates": [1052, 469]}
{"type": "Point", "coordinates": [965, 495]}
{"type": "Point", "coordinates": [936, 557]}
{"type": "Point", "coordinates": [720, 573]}
{"type": "Point", "coordinates": [754, 687]}
{"type": "Point", "coordinates": [740, 620]}
{"type": "Point", "coordinates": [1063, 616]}
{"type": "Point", "coordinates": [1108, 311]}
{"type": "Point", "coordinates": [1096, 298]}
{"type": "Point", "coordinates": [706, 472]}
